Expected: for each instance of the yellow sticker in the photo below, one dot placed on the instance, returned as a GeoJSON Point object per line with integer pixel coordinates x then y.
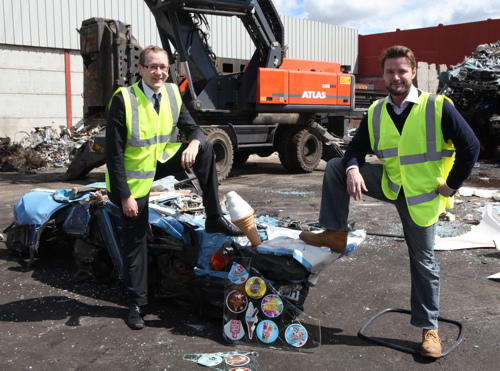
{"type": "Point", "coordinates": [345, 79]}
{"type": "Point", "coordinates": [255, 287]}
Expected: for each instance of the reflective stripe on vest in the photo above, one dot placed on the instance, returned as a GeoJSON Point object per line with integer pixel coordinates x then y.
{"type": "Point", "coordinates": [175, 102]}
{"type": "Point", "coordinates": [420, 199]}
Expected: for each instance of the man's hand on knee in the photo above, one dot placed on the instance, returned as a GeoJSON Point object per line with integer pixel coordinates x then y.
{"type": "Point", "coordinates": [189, 154]}
{"type": "Point", "coordinates": [355, 184]}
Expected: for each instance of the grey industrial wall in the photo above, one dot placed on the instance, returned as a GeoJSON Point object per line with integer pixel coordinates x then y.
{"type": "Point", "coordinates": [33, 92]}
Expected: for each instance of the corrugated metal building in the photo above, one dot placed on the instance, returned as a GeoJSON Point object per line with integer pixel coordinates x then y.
{"type": "Point", "coordinates": [42, 70]}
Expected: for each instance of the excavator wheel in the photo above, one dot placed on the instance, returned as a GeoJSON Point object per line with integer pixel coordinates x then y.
{"type": "Point", "coordinates": [223, 149]}
{"type": "Point", "coordinates": [300, 149]}
{"type": "Point", "coordinates": [283, 148]}
{"type": "Point", "coordinates": [265, 152]}
{"type": "Point", "coordinates": [240, 158]}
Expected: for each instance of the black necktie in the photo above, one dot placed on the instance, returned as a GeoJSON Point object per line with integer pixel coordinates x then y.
{"type": "Point", "coordinates": [157, 102]}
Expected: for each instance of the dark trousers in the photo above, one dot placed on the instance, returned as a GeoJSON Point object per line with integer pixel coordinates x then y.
{"type": "Point", "coordinates": [135, 253]}
{"type": "Point", "coordinates": [136, 229]}
{"type": "Point", "coordinates": [205, 170]}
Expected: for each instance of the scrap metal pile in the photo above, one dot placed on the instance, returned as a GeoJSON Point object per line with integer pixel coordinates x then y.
{"type": "Point", "coordinates": [474, 87]}
{"type": "Point", "coordinates": [41, 149]}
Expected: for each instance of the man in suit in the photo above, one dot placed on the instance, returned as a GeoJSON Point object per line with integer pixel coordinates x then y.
{"type": "Point", "coordinates": [140, 149]}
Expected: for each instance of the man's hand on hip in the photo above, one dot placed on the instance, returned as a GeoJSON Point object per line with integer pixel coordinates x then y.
{"type": "Point", "coordinates": [445, 191]}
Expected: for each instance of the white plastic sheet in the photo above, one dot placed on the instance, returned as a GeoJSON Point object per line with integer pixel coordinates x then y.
{"type": "Point", "coordinates": [486, 234]}
{"type": "Point", "coordinates": [495, 276]}
{"type": "Point", "coordinates": [315, 259]}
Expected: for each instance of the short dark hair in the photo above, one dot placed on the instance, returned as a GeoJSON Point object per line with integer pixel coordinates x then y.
{"type": "Point", "coordinates": [150, 49]}
{"type": "Point", "coordinates": [398, 51]}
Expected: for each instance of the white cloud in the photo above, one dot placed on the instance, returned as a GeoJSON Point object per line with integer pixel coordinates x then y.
{"type": "Point", "coordinates": [292, 8]}
{"type": "Point", "coordinates": [379, 16]}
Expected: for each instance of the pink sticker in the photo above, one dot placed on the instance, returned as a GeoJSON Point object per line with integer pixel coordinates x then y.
{"type": "Point", "coordinates": [272, 305]}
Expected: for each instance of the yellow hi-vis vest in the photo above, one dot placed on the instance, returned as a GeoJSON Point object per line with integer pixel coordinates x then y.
{"type": "Point", "coordinates": [148, 135]}
{"type": "Point", "coordinates": [418, 159]}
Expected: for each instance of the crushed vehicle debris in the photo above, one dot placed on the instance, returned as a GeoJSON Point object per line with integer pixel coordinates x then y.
{"type": "Point", "coordinates": [184, 259]}
{"type": "Point", "coordinates": [474, 87]}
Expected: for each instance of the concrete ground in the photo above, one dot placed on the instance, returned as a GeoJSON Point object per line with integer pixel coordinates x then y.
{"type": "Point", "coordinates": [49, 322]}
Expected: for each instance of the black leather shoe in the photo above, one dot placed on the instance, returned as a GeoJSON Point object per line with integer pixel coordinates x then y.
{"type": "Point", "coordinates": [219, 224]}
{"type": "Point", "coordinates": [134, 319]}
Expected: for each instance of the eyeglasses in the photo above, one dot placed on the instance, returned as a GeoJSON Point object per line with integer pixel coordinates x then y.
{"type": "Point", "coordinates": [154, 67]}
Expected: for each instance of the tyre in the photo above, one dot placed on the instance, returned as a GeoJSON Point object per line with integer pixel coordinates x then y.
{"type": "Point", "coordinates": [223, 150]}
{"type": "Point", "coordinates": [300, 149]}
{"type": "Point", "coordinates": [284, 139]}
{"type": "Point", "coordinates": [265, 152]}
{"type": "Point", "coordinates": [240, 158]}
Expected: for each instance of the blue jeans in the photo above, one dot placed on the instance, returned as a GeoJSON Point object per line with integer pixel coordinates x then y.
{"type": "Point", "coordinates": [424, 269]}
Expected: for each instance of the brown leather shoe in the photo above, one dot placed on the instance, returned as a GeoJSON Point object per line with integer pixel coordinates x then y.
{"type": "Point", "coordinates": [336, 241]}
{"type": "Point", "coordinates": [431, 344]}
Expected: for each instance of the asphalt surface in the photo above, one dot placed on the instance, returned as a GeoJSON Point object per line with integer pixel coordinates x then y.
{"type": "Point", "coordinates": [50, 322]}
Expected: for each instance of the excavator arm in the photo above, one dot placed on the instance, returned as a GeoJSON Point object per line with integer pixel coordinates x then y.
{"type": "Point", "coordinates": [179, 26]}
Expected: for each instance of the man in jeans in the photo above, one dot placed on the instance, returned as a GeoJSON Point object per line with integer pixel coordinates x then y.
{"type": "Point", "coordinates": [427, 151]}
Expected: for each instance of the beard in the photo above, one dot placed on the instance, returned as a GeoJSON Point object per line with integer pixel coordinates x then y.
{"type": "Point", "coordinates": [402, 90]}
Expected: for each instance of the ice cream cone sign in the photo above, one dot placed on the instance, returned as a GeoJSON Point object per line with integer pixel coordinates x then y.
{"type": "Point", "coordinates": [242, 215]}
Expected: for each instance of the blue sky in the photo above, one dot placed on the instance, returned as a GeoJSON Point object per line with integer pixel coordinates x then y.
{"type": "Point", "coordinates": [369, 16]}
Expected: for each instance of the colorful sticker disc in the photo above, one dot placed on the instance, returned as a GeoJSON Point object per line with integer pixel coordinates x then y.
{"type": "Point", "coordinates": [209, 360]}
{"type": "Point", "coordinates": [255, 287]}
{"type": "Point", "coordinates": [296, 335]}
{"type": "Point", "coordinates": [267, 331]}
{"type": "Point", "coordinates": [237, 360]}
{"type": "Point", "coordinates": [238, 274]}
{"type": "Point", "coordinates": [236, 302]}
{"type": "Point", "coordinates": [272, 305]}
{"type": "Point", "coordinates": [234, 329]}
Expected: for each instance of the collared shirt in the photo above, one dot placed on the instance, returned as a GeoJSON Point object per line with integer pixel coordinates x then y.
{"type": "Point", "coordinates": [412, 97]}
{"type": "Point", "coordinates": [148, 92]}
